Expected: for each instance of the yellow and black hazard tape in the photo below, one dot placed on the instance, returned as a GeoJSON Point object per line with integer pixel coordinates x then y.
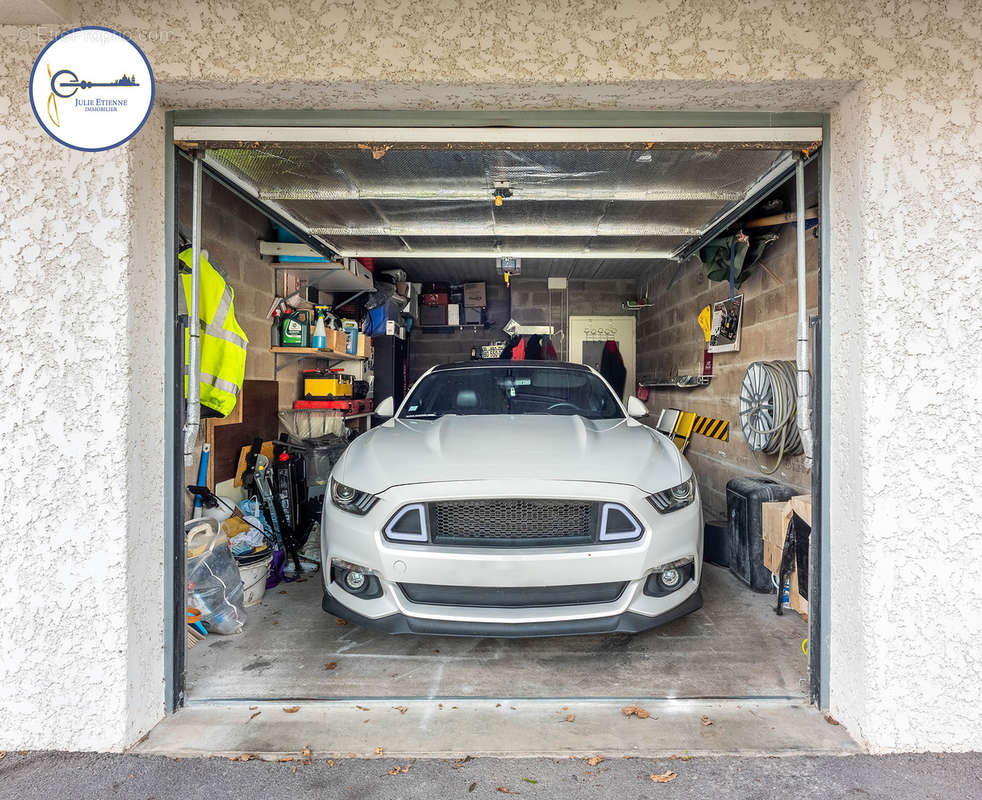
{"type": "Point", "coordinates": [713, 428]}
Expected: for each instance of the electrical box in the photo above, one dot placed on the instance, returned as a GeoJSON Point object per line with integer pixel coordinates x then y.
{"type": "Point", "coordinates": [558, 283]}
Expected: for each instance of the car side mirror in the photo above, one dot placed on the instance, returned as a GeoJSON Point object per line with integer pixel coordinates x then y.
{"type": "Point", "coordinates": [635, 408]}
{"type": "Point", "coordinates": [387, 408]}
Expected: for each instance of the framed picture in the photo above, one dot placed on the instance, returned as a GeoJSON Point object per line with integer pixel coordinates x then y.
{"type": "Point", "coordinates": [724, 332]}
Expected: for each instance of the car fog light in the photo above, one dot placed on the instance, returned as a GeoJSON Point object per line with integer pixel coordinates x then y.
{"type": "Point", "coordinates": [670, 578]}
{"type": "Point", "coordinates": [355, 581]}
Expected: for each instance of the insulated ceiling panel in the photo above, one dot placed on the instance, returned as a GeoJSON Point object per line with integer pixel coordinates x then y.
{"type": "Point", "coordinates": [483, 269]}
{"type": "Point", "coordinates": [564, 203]}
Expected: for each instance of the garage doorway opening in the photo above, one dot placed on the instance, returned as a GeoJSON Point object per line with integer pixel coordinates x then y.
{"type": "Point", "coordinates": [595, 223]}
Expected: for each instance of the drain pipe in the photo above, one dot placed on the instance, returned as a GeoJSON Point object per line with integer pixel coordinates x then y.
{"type": "Point", "coordinates": [804, 373]}
{"type": "Point", "coordinates": [193, 404]}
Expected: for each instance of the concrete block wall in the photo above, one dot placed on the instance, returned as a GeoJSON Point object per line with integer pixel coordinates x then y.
{"type": "Point", "coordinates": [230, 229]}
{"type": "Point", "coordinates": [534, 303]}
{"type": "Point", "coordinates": [671, 342]}
{"type": "Point", "coordinates": [429, 348]}
{"type": "Point", "coordinates": [530, 302]}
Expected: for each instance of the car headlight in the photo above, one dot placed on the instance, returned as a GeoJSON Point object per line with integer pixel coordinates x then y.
{"type": "Point", "coordinates": [673, 499]}
{"type": "Point", "coordinates": [349, 499]}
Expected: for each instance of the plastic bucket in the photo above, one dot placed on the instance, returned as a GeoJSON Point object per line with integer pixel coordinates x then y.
{"type": "Point", "coordinates": [254, 580]}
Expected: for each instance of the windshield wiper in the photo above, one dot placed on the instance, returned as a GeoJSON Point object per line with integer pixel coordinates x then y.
{"type": "Point", "coordinates": [428, 415]}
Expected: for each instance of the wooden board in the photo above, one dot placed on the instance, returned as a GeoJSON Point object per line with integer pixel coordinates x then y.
{"type": "Point", "coordinates": [259, 403]}
{"type": "Point", "coordinates": [266, 450]}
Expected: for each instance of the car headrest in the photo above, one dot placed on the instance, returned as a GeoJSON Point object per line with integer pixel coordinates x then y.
{"type": "Point", "coordinates": [466, 398]}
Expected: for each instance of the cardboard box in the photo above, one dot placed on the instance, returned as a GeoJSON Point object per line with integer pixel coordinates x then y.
{"type": "Point", "coordinates": [436, 299]}
{"type": "Point", "coordinates": [453, 314]}
{"type": "Point", "coordinates": [475, 295]}
{"type": "Point", "coordinates": [364, 346]}
{"type": "Point", "coordinates": [776, 518]}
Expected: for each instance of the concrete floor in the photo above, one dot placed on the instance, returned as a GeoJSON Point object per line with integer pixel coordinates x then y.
{"type": "Point", "coordinates": [735, 646]}
{"type": "Point", "coordinates": [507, 727]}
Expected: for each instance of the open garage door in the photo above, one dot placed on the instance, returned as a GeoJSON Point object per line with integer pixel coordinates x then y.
{"type": "Point", "coordinates": [554, 225]}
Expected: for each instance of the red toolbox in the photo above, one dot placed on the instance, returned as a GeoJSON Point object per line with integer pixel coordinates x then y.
{"type": "Point", "coordinates": [436, 299]}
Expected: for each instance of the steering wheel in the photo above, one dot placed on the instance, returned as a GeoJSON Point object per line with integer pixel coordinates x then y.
{"type": "Point", "coordinates": [575, 408]}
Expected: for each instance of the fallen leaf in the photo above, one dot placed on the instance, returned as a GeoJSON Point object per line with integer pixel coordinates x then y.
{"type": "Point", "coordinates": [571, 718]}
{"type": "Point", "coordinates": [505, 790]}
{"type": "Point", "coordinates": [243, 757]}
{"type": "Point", "coordinates": [282, 591]}
{"type": "Point", "coordinates": [331, 665]}
{"type": "Point", "coordinates": [461, 761]}
{"type": "Point", "coordinates": [293, 770]}
{"type": "Point", "coordinates": [292, 709]}
{"type": "Point", "coordinates": [254, 716]}
{"type": "Point", "coordinates": [253, 708]}
{"type": "Point", "coordinates": [564, 708]}
{"type": "Point", "coordinates": [330, 762]}
{"type": "Point", "coordinates": [497, 705]}
{"type": "Point", "coordinates": [378, 751]}
{"type": "Point", "coordinates": [472, 787]}
{"type": "Point", "coordinates": [529, 780]}
{"type": "Point", "coordinates": [665, 777]}
{"type": "Point", "coordinates": [706, 720]}
{"type": "Point", "coordinates": [306, 752]}
{"type": "Point", "coordinates": [362, 708]}
{"type": "Point", "coordinates": [594, 760]}
{"type": "Point", "coordinates": [339, 621]}
{"type": "Point", "coordinates": [635, 711]}
{"type": "Point", "coordinates": [2, 754]}
{"type": "Point", "coordinates": [398, 770]}
{"type": "Point", "coordinates": [680, 758]}
{"type": "Point", "coordinates": [401, 709]}
{"type": "Point", "coordinates": [285, 758]}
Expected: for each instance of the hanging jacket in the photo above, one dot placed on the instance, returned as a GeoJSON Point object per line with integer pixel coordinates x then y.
{"type": "Point", "coordinates": [533, 348]}
{"type": "Point", "coordinates": [518, 351]}
{"type": "Point", "coordinates": [612, 367]}
{"type": "Point", "coordinates": [223, 342]}
{"type": "Point", "coordinates": [548, 350]}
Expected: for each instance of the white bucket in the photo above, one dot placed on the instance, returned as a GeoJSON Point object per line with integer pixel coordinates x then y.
{"type": "Point", "coordinates": [254, 580]}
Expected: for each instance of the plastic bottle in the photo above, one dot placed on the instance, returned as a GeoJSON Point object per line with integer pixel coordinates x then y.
{"type": "Point", "coordinates": [320, 332]}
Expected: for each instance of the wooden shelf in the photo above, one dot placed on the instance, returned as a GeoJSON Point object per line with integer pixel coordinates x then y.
{"type": "Point", "coordinates": [316, 351]}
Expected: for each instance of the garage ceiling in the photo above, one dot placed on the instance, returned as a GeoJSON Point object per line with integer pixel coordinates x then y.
{"type": "Point", "coordinates": [575, 212]}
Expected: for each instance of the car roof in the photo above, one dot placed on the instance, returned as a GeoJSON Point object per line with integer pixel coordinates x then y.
{"type": "Point", "coordinates": [505, 362]}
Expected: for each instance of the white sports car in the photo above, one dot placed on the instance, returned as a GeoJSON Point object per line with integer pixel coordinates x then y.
{"type": "Point", "coordinates": [512, 498]}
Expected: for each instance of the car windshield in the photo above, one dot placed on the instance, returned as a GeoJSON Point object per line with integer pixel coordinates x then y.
{"type": "Point", "coordinates": [512, 390]}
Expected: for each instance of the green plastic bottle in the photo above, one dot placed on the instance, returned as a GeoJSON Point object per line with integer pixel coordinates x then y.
{"type": "Point", "coordinates": [295, 330]}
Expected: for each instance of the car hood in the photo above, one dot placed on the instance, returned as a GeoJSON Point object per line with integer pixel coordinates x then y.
{"type": "Point", "coordinates": [461, 448]}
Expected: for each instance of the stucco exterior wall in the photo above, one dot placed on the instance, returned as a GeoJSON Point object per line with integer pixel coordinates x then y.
{"type": "Point", "coordinates": [902, 82]}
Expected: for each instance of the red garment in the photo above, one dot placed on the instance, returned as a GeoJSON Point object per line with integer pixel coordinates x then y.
{"type": "Point", "coordinates": [518, 351]}
{"type": "Point", "coordinates": [549, 352]}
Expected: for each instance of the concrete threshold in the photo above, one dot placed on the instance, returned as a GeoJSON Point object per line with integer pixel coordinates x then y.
{"type": "Point", "coordinates": [503, 728]}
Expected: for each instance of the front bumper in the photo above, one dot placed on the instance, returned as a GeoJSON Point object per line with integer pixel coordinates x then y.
{"type": "Point", "coordinates": [626, 622]}
{"type": "Point", "coordinates": [358, 540]}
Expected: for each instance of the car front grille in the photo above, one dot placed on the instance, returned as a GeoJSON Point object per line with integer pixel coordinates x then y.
{"type": "Point", "coordinates": [512, 521]}
{"type": "Point", "coordinates": [513, 596]}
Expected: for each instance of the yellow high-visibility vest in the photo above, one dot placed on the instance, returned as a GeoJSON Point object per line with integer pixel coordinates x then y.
{"type": "Point", "coordinates": [223, 342]}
